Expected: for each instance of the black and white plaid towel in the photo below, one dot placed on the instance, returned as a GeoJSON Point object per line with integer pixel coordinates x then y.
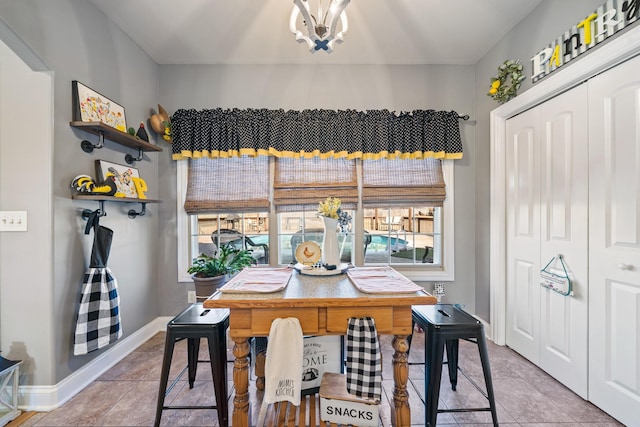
{"type": "Point", "coordinates": [98, 322]}
{"type": "Point", "coordinates": [364, 364]}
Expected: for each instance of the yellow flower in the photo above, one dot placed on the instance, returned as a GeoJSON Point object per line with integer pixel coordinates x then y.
{"type": "Point", "coordinates": [493, 91]}
{"type": "Point", "coordinates": [330, 207]}
{"type": "Point", "coordinates": [495, 84]}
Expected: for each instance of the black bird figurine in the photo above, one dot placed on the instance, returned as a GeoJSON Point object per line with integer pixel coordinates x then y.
{"type": "Point", "coordinates": [142, 133]}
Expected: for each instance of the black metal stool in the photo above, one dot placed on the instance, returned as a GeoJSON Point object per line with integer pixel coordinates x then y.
{"type": "Point", "coordinates": [444, 325]}
{"type": "Point", "coordinates": [193, 323]}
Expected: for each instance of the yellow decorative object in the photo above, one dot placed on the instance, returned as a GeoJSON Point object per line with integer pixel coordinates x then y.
{"type": "Point", "coordinates": [141, 187]}
{"type": "Point", "coordinates": [84, 184]}
{"type": "Point", "coordinates": [330, 207]}
{"type": "Point", "coordinates": [167, 130]}
{"type": "Point", "coordinates": [505, 86]}
{"type": "Point", "coordinates": [161, 124]}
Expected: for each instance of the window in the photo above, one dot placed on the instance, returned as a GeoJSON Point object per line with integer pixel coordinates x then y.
{"type": "Point", "coordinates": [417, 239]}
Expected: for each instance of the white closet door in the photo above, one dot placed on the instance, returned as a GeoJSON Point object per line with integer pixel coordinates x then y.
{"type": "Point", "coordinates": [614, 242]}
{"type": "Point", "coordinates": [547, 215]}
{"type": "Point", "coordinates": [564, 192]}
{"type": "Point", "coordinates": [523, 234]}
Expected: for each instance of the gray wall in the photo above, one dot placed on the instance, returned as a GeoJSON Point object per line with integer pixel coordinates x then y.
{"type": "Point", "coordinates": [25, 174]}
{"type": "Point", "coordinates": [549, 20]}
{"type": "Point", "coordinates": [360, 87]}
{"type": "Point", "coordinates": [75, 41]}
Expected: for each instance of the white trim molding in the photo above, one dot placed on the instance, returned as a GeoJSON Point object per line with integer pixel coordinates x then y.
{"type": "Point", "coordinates": [625, 46]}
{"type": "Point", "coordinates": [47, 398]}
{"type": "Point", "coordinates": [183, 222]}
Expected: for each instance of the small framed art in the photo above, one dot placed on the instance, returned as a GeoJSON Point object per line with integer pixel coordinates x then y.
{"type": "Point", "coordinates": [122, 175]}
{"type": "Point", "coordinates": [91, 106]}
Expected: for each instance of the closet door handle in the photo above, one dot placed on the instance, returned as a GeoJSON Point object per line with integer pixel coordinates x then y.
{"type": "Point", "coordinates": [625, 267]}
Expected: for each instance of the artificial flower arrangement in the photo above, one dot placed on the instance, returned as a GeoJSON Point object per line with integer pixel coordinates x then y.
{"type": "Point", "coordinates": [505, 86]}
{"type": "Point", "coordinates": [331, 208]}
{"type": "Point", "coordinates": [167, 130]}
{"type": "Point", "coordinates": [161, 124]}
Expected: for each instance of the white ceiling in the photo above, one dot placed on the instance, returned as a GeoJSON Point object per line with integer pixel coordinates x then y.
{"type": "Point", "coordinates": [257, 31]}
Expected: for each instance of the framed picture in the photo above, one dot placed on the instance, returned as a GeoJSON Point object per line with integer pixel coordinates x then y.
{"type": "Point", "coordinates": [324, 353]}
{"type": "Point", "coordinates": [122, 175]}
{"type": "Point", "coordinates": [90, 106]}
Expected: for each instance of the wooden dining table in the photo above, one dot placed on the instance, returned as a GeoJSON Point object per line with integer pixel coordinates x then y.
{"type": "Point", "coordinates": [323, 305]}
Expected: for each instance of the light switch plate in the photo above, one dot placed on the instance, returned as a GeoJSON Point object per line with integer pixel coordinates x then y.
{"type": "Point", "coordinates": [13, 220]}
{"type": "Point", "coordinates": [191, 297]}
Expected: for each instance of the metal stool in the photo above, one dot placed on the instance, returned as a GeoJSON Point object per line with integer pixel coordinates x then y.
{"type": "Point", "coordinates": [444, 325]}
{"type": "Point", "coordinates": [193, 323]}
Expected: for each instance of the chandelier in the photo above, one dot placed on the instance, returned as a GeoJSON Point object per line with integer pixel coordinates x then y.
{"type": "Point", "coordinates": [322, 28]}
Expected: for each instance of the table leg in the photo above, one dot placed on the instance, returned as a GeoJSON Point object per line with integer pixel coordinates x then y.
{"type": "Point", "coordinates": [261, 360]}
{"type": "Point", "coordinates": [241, 382]}
{"type": "Point", "coordinates": [401, 412]}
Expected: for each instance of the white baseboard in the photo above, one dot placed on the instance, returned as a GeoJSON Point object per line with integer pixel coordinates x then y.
{"type": "Point", "coordinates": [487, 328]}
{"type": "Point", "coordinates": [47, 398]}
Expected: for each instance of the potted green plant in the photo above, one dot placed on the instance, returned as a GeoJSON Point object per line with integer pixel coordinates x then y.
{"type": "Point", "coordinates": [210, 272]}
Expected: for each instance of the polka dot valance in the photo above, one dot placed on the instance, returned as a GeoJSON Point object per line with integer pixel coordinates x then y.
{"type": "Point", "coordinates": [350, 134]}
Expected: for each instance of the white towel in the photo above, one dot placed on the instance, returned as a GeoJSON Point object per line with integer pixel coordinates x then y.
{"type": "Point", "coordinates": [283, 368]}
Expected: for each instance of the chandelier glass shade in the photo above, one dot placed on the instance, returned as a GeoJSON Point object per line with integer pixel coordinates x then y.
{"type": "Point", "coordinates": [320, 23]}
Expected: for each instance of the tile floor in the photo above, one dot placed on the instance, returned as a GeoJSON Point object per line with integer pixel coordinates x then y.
{"type": "Point", "coordinates": [525, 395]}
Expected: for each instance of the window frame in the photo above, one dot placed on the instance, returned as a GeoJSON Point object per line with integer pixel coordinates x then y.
{"type": "Point", "coordinates": [185, 223]}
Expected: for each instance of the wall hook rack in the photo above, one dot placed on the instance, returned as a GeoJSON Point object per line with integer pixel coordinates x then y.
{"type": "Point", "coordinates": [88, 147]}
{"type": "Point", "coordinates": [101, 212]}
{"type": "Point", "coordinates": [133, 214]}
{"type": "Point", "coordinates": [130, 159]}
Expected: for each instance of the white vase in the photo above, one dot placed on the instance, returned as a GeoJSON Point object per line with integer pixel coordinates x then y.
{"type": "Point", "coordinates": [330, 247]}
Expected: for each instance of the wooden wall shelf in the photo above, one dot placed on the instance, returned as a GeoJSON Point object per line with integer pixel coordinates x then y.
{"type": "Point", "coordinates": [105, 131]}
{"type": "Point", "coordinates": [132, 212]}
{"type": "Point", "coordinates": [115, 135]}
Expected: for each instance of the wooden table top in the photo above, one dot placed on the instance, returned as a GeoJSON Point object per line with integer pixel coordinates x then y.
{"type": "Point", "coordinates": [316, 291]}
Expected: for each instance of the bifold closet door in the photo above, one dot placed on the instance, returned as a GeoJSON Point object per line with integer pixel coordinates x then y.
{"type": "Point", "coordinates": [614, 242]}
{"type": "Point", "coordinates": [547, 202]}
{"type": "Point", "coordinates": [523, 234]}
{"type": "Point", "coordinates": [564, 224]}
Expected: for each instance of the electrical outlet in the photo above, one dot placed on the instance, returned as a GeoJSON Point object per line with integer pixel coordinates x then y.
{"type": "Point", "coordinates": [191, 297]}
{"type": "Point", "coordinates": [438, 291]}
{"type": "Point", "coordinates": [13, 220]}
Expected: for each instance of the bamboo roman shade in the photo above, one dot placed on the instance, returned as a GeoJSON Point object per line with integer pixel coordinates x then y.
{"type": "Point", "coordinates": [238, 184]}
{"type": "Point", "coordinates": [387, 183]}
{"type": "Point", "coordinates": [300, 184]}
{"type": "Point", "coordinates": [350, 134]}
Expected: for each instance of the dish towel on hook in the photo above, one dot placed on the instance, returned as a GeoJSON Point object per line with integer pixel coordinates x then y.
{"type": "Point", "coordinates": [283, 367]}
{"type": "Point", "coordinates": [98, 323]}
{"type": "Point", "coordinates": [364, 365]}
